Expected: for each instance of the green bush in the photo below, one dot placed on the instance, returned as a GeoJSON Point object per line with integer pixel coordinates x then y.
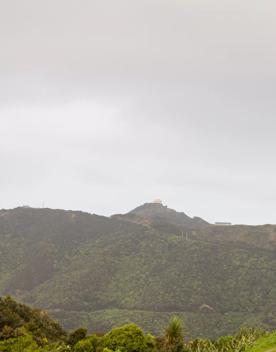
{"type": "Point", "coordinates": [15, 316]}
{"type": "Point", "coordinates": [56, 347]}
{"type": "Point", "coordinates": [202, 345]}
{"type": "Point", "coordinates": [76, 336]}
{"type": "Point", "coordinates": [128, 338]}
{"type": "Point", "coordinates": [20, 344]}
{"type": "Point", "coordinates": [89, 344]}
{"type": "Point", "coordinates": [151, 342]}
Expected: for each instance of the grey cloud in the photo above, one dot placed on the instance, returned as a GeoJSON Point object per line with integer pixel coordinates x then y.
{"type": "Point", "coordinates": [107, 104]}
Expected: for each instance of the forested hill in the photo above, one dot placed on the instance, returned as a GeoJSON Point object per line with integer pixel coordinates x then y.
{"type": "Point", "coordinates": [142, 267]}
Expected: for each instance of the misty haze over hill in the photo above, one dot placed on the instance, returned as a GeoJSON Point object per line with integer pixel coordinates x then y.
{"type": "Point", "coordinates": [104, 104]}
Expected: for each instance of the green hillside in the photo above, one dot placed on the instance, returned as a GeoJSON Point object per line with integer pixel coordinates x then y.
{"type": "Point", "coordinates": [100, 272]}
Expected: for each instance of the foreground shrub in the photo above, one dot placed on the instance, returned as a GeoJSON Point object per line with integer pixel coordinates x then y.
{"type": "Point", "coordinates": [128, 338]}
{"type": "Point", "coordinates": [20, 344]}
{"type": "Point", "coordinates": [202, 345]}
{"type": "Point", "coordinates": [56, 347]}
{"type": "Point", "coordinates": [174, 338]}
{"type": "Point", "coordinates": [15, 316]}
{"type": "Point", "coordinates": [238, 343]}
{"type": "Point", "coordinates": [76, 336]}
{"type": "Point", "coordinates": [89, 344]}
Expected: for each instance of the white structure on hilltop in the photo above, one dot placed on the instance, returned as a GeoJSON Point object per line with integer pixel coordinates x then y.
{"type": "Point", "coordinates": [157, 201]}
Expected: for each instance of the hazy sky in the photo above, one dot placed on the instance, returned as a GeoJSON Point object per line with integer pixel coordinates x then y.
{"type": "Point", "coordinates": [108, 104]}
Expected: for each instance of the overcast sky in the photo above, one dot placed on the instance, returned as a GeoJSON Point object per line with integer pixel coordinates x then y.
{"type": "Point", "coordinates": [106, 104]}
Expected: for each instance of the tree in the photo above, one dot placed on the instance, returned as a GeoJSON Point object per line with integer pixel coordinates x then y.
{"type": "Point", "coordinates": [24, 343]}
{"type": "Point", "coordinates": [76, 336]}
{"type": "Point", "coordinates": [173, 340]}
{"type": "Point", "coordinates": [89, 344]}
{"type": "Point", "coordinates": [128, 338]}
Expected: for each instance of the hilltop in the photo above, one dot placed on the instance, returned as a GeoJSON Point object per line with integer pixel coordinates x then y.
{"type": "Point", "coordinates": [142, 266]}
{"type": "Point", "coordinates": [157, 214]}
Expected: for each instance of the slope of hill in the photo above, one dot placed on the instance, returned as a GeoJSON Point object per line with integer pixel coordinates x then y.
{"type": "Point", "coordinates": [97, 271]}
{"type": "Point", "coordinates": [17, 319]}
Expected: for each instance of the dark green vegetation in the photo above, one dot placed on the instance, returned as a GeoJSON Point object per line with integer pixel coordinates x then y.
{"type": "Point", "coordinates": [25, 329]}
{"type": "Point", "coordinates": [142, 267]}
{"type": "Point", "coordinates": [22, 328]}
